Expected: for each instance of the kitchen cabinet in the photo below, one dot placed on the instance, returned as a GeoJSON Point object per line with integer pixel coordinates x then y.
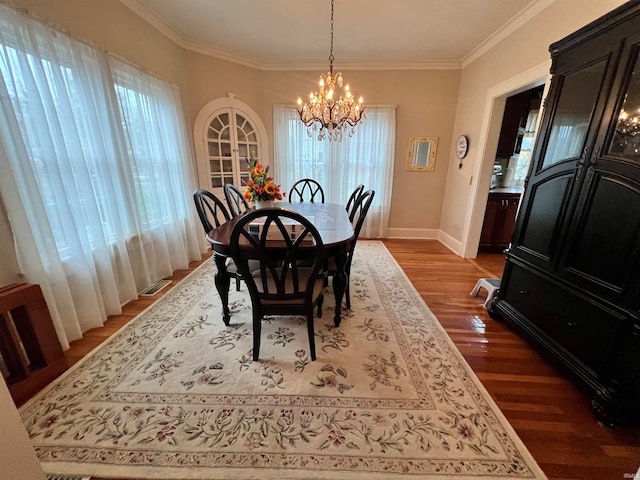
{"type": "Point", "coordinates": [514, 121]}
{"type": "Point", "coordinates": [571, 282]}
{"type": "Point", "coordinates": [499, 219]}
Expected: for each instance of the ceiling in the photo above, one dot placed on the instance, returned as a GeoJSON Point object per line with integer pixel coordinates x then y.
{"type": "Point", "coordinates": [368, 34]}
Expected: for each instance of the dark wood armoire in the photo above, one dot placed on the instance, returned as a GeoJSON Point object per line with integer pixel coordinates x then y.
{"type": "Point", "coordinates": [572, 278]}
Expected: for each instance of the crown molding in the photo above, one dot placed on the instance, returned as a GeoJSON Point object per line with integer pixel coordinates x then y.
{"type": "Point", "coordinates": [346, 64]}
{"type": "Point", "coordinates": [507, 29]}
{"type": "Point", "coordinates": [177, 37]}
{"type": "Point", "coordinates": [306, 64]}
{"type": "Point", "coordinates": [155, 20]}
{"type": "Point", "coordinates": [211, 51]}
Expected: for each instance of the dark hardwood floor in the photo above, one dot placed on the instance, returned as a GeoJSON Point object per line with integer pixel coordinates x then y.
{"type": "Point", "coordinates": [549, 413]}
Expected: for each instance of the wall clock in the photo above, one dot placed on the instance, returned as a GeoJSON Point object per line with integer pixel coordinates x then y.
{"type": "Point", "coordinates": [462, 145]}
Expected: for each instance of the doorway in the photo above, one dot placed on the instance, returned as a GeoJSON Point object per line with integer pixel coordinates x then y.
{"type": "Point", "coordinates": [510, 168]}
{"type": "Point", "coordinates": [495, 102]}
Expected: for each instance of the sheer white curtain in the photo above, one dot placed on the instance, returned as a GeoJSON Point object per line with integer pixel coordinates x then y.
{"type": "Point", "coordinates": [567, 136]}
{"type": "Point", "coordinates": [366, 158]}
{"type": "Point", "coordinates": [98, 196]}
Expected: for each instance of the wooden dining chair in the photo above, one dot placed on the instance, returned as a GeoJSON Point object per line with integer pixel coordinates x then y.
{"type": "Point", "coordinates": [290, 276]}
{"type": "Point", "coordinates": [360, 210]}
{"type": "Point", "coordinates": [235, 200]}
{"type": "Point", "coordinates": [353, 200]}
{"type": "Point", "coordinates": [306, 189]}
{"type": "Point", "coordinates": [213, 213]}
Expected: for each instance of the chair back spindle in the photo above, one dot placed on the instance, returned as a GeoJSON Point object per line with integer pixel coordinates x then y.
{"type": "Point", "coordinates": [305, 190]}
{"type": "Point", "coordinates": [235, 200]}
{"type": "Point", "coordinates": [353, 200]}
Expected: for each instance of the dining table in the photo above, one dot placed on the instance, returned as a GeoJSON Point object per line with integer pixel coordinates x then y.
{"type": "Point", "coordinates": [337, 235]}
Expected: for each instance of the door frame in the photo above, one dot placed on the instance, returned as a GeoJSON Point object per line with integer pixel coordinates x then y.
{"type": "Point", "coordinates": [483, 168]}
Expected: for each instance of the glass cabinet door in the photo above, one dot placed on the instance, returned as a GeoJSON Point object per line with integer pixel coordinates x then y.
{"type": "Point", "coordinates": [219, 144]}
{"type": "Point", "coordinates": [247, 141]}
{"type": "Point", "coordinates": [626, 139]}
{"type": "Point", "coordinates": [231, 139]}
{"type": "Point", "coordinates": [576, 102]}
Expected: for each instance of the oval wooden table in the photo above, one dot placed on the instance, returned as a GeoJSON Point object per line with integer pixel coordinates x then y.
{"type": "Point", "coordinates": [334, 226]}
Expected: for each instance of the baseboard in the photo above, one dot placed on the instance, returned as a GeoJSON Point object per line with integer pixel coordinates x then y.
{"type": "Point", "coordinates": [416, 233]}
{"type": "Point", "coordinates": [426, 234]}
{"type": "Point", "coordinates": [451, 243]}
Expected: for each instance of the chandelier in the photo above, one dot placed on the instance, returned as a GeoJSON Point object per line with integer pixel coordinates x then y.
{"type": "Point", "coordinates": [628, 124]}
{"type": "Point", "coordinates": [327, 115]}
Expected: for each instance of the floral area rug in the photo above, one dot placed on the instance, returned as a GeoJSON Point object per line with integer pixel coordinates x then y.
{"type": "Point", "coordinates": [175, 394]}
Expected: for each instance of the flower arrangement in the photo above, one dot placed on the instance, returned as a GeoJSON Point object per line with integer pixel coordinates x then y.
{"type": "Point", "coordinates": [260, 185]}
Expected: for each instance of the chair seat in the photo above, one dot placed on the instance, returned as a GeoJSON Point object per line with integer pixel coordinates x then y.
{"type": "Point", "coordinates": [303, 275]}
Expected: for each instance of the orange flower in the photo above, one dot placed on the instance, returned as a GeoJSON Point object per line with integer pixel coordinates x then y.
{"type": "Point", "coordinates": [260, 185]}
{"type": "Point", "coordinates": [270, 188]}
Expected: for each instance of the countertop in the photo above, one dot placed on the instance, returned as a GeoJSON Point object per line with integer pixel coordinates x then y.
{"type": "Point", "coordinates": [517, 190]}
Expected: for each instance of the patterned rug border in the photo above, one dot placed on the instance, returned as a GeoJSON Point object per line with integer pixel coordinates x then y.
{"type": "Point", "coordinates": [482, 398]}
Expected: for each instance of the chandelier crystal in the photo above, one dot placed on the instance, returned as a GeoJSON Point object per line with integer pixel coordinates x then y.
{"type": "Point", "coordinates": [327, 112]}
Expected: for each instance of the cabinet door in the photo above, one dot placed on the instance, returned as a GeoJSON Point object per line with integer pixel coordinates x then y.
{"type": "Point", "coordinates": [220, 148]}
{"type": "Point", "coordinates": [510, 208]}
{"type": "Point", "coordinates": [603, 248]}
{"type": "Point", "coordinates": [575, 105]}
{"type": "Point", "coordinates": [490, 219]}
{"type": "Point", "coordinates": [247, 144]}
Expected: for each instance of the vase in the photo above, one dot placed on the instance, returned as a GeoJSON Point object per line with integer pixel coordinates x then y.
{"type": "Point", "coordinates": [263, 203]}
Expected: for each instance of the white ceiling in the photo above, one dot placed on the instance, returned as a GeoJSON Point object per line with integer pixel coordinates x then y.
{"type": "Point", "coordinates": [294, 34]}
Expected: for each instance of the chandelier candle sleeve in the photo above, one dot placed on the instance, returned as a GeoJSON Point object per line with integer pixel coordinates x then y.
{"type": "Point", "coordinates": [327, 115]}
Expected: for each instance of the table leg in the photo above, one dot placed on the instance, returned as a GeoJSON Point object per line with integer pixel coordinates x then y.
{"type": "Point", "coordinates": [223, 281]}
{"type": "Point", "coordinates": [339, 286]}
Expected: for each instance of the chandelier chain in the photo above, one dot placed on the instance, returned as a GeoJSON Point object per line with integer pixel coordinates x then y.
{"type": "Point", "coordinates": [331, 58]}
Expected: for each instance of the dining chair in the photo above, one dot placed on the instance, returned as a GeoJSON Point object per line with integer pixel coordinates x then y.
{"type": "Point", "coordinates": [306, 189]}
{"type": "Point", "coordinates": [353, 199]}
{"type": "Point", "coordinates": [290, 276]}
{"type": "Point", "coordinates": [213, 213]}
{"type": "Point", "coordinates": [360, 210]}
{"type": "Point", "coordinates": [235, 200]}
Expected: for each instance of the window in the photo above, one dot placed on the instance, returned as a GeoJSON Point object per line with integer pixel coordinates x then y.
{"type": "Point", "coordinates": [366, 157]}
{"type": "Point", "coordinates": [98, 176]}
{"type": "Point", "coordinates": [524, 157]}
